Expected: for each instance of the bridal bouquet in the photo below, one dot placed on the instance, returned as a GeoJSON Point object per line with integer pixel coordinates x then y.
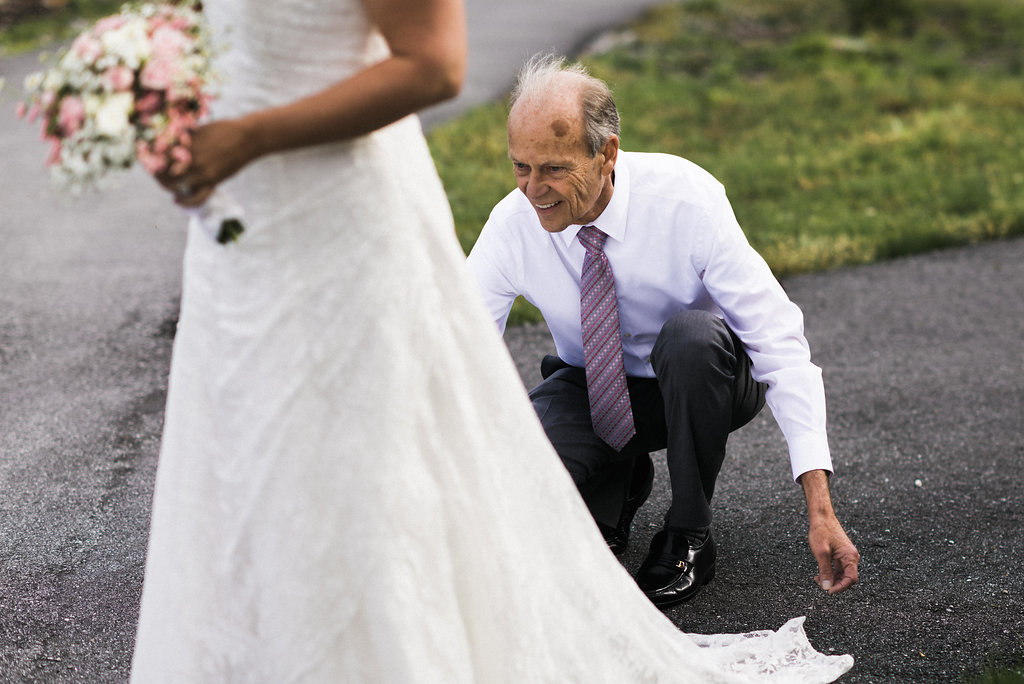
{"type": "Point", "coordinates": [129, 89]}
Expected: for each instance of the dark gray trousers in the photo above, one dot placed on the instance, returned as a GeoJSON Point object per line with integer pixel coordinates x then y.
{"type": "Point", "coordinates": [702, 391]}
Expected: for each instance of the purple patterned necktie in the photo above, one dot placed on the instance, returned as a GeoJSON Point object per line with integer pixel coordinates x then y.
{"type": "Point", "coordinates": [602, 347]}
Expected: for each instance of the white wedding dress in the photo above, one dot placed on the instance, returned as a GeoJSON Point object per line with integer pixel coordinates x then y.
{"type": "Point", "coordinates": [353, 486]}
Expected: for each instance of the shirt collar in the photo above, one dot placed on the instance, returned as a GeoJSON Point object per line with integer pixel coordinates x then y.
{"type": "Point", "coordinates": [613, 219]}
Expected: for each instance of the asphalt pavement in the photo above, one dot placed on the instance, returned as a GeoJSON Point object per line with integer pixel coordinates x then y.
{"type": "Point", "coordinates": [924, 373]}
{"type": "Point", "coordinates": [924, 377]}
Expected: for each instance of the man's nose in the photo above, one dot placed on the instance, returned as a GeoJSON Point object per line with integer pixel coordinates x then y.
{"type": "Point", "coordinates": [535, 185]}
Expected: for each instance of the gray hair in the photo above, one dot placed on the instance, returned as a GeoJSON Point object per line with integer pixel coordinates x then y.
{"type": "Point", "coordinates": [542, 74]}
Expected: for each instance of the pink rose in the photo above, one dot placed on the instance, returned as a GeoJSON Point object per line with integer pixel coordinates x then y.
{"type": "Point", "coordinates": [54, 156]}
{"type": "Point", "coordinates": [162, 143]}
{"type": "Point", "coordinates": [158, 74]}
{"type": "Point", "coordinates": [109, 24]}
{"type": "Point", "coordinates": [151, 161]}
{"type": "Point", "coordinates": [72, 114]}
{"type": "Point", "coordinates": [87, 48]}
{"type": "Point", "coordinates": [150, 103]}
{"type": "Point", "coordinates": [21, 110]}
{"type": "Point", "coordinates": [155, 23]}
{"type": "Point", "coordinates": [118, 78]}
{"type": "Point", "coordinates": [168, 44]}
{"type": "Point", "coordinates": [179, 124]}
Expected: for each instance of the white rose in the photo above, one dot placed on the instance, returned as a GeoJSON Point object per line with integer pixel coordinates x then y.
{"type": "Point", "coordinates": [53, 80]}
{"type": "Point", "coordinates": [93, 103]}
{"type": "Point", "coordinates": [76, 163]}
{"type": "Point", "coordinates": [71, 62]}
{"type": "Point", "coordinates": [112, 115]}
{"type": "Point", "coordinates": [129, 42]}
{"type": "Point", "coordinates": [33, 80]}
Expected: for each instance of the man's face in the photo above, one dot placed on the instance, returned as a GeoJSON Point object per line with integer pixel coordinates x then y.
{"type": "Point", "coordinates": [563, 182]}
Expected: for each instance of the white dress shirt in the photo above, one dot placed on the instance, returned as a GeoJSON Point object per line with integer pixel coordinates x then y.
{"type": "Point", "coordinates": [673, 244]}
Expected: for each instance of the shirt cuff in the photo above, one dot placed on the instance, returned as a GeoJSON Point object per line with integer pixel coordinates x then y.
{"type": "Point", "coordinates": [809, 452]}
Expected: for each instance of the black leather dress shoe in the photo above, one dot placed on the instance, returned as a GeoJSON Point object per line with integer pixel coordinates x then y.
{"type": "Point", "coordinates": [676, 568]}
{"type": "Point", "coordinates": [640, 488]}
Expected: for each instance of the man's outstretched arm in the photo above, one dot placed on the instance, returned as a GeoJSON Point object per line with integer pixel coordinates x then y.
{"type": "Point", "coordinates": [836, 555]}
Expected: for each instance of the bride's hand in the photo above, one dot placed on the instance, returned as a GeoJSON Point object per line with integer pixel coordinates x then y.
{"type": "Point", "coordinates": [218, 151]}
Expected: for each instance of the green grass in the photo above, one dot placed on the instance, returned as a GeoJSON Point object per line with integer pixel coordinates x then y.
{"type": "Point", "coordinates": [842, 136]}
{"type": "Point", "coordinates": [997, 674]}
{"type": "Point", "coordinates": [55, 25]}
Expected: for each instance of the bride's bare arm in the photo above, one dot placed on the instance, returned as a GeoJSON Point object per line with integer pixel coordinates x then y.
{"type": "Point", "coordinates": [427, 64]}
{"type": "Point", "coordinates": [427, 39]}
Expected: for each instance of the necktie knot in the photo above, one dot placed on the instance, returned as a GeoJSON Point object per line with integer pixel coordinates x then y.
{"type": "Point", "coordinates": [592, 239]}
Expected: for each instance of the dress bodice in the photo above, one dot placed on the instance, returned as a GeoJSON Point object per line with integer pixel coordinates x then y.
{"type": "Point", "coordinates": [273, 53]}
{"type": "Point", "coordinates": [276, 52]}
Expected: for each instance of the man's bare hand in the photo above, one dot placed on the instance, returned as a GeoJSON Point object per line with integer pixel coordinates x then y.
{"type": "Point", "coordinates": [836, 555]}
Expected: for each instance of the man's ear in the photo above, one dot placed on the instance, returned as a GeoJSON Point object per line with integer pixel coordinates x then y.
{"type": "Point", "coordinates": [610, 150]}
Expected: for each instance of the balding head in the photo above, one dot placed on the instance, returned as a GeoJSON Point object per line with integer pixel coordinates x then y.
{"type": "Point", "coordinates": [548, 84]}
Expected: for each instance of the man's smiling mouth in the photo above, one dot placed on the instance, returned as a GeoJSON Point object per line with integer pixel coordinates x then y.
{"type": "Point", "coordinates": [545, 206]}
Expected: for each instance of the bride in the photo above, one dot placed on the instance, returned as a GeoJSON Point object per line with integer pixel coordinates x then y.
{"type": "Point", "coordinates": [346, 492]}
